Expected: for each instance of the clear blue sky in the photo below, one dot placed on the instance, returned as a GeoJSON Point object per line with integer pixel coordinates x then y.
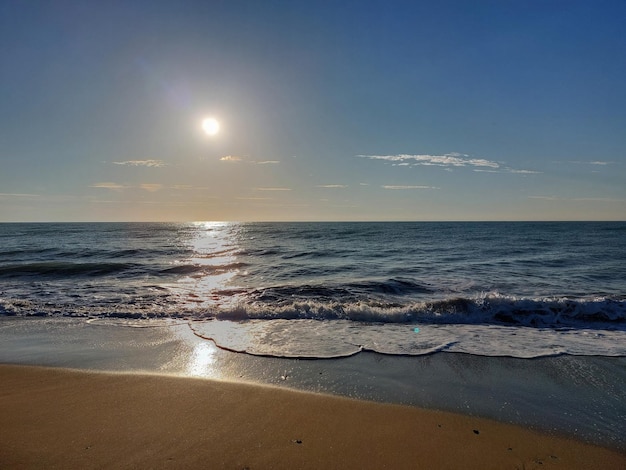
{"type": "Point", "coordinates": [328, 110]}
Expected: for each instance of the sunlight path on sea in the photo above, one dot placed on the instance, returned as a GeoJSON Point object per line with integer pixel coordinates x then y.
{"type": "Point", "coordinates": [213, 247]}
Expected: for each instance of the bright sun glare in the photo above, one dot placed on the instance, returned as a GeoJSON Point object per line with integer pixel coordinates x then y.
{"type": "Point", "coordinates": [211, 126]}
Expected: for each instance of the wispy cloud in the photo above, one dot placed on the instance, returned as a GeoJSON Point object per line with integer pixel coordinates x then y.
{"type": "Point", "coordinates": [508, 170]}
{"type": "Point", "coordinates": [577, 199]}
{"type": "Point", "coordinates": [448, 161]}
{"type": "Point", "coordinates": [254, 198]}
{"type": "Point", "coordinates": [108, 185]}
{"type": "Point", "coordinates": [594, 162]}
{"type": "Point", "coordinates": [598, 199]}
{"type": "Point", "coordinates": [333, 186]}
{"type": "Point", "coordinates": [151, 187]}
{"type": "Point", "coordinates": [18, 195]}
{"type": "Point", "coordinates": [234, 158]}
{"type": "Point", "coordinates": [404, 187]}
{"type": "Point", "coordinates": [148, 163]}
{"type": "Point", "coordinates": [272, 189]}
{"type": "Point", "coordinates": [230, 158]}
{"type": "Point", "coordinates": [523, 172]}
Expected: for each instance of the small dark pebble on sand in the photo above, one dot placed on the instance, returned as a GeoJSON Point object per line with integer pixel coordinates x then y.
{"type": "Point", "coordinates": [476, 431]}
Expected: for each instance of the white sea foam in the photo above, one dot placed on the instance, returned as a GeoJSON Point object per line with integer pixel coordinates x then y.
{"type": "Point", "coordinates": [339, 338]}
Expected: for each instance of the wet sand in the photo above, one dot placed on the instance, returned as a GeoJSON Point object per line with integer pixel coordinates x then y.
{"type": "Point", "coordinates": [61, 418]}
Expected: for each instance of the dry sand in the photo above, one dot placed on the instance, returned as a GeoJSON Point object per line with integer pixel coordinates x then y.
{"type": "Point", "coordinates": [56, 418]}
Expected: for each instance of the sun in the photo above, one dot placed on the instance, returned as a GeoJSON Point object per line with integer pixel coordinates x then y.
{"type": "Point", "coordinates": [211, 126]}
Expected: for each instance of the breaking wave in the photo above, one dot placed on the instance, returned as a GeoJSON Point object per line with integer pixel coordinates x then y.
{"type": "Point", "coordinates": [279, 304]}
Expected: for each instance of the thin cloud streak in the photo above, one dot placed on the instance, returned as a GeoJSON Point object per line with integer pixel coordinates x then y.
{"type": "Point", "coordinates": [108, 185]}
{"type": "Point", "coordinates": [254, 198]}
{"type": "Point", "coordinates": [577, 199]}
{"type": "Point", "coordinates": [446, 160]}
{"type": "Point", "coordinates": [595, 162]}
{"type": "Point", "coordinates": [150, 187]}
{"type": "Point", "coordinates": [405, 187]}
{"type": "Point", "coordinates": [18, 195]}
{"type": "Point", "coordinates": [234, 158]}
{"type": "Point", "coordinates": [272, 189]}
{"type": "Point", "coordinates": [332, 186]}
{"type": "Point", "coordinates": [509, 170]}
{"type": "Point", "coordinates": [524, 172]}
{"type": "Point", "coordinates": [148, 163]}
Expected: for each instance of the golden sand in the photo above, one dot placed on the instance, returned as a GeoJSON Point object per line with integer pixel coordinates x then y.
{"type": "Point", "coordinates": [56, 418]}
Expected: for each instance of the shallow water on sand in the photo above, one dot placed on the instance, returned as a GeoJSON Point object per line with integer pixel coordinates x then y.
{"type": "Point", "coordinates": [579, 396]}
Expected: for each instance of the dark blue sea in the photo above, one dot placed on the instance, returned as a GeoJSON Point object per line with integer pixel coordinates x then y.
{"type": "Point", "coordinates": [333, 289]}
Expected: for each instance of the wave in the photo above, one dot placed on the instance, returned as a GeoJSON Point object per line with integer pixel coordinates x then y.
{"type": "Point", "coordinates": [7, 253]}
{"type": "Point", "coordinates": [239, 305]}
{"type": "Point", "coordinates": [62, 269]}
{"type": "Point", "coordinates": [488, 309]}
{"type": "Point", "coordinates": [340, 293]}
{"type": "Point", "coordinates": [394, 286]}
{"type": "Point", "coordinates": [189, 269]}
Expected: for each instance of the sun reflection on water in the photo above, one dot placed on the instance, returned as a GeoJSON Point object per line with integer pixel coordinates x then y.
{"type": "Point", "coordinates": [202, 361]}
{"type": "Point", "coordinates": [213, 246]}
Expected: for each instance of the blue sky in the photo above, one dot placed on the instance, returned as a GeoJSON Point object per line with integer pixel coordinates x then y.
{"type": "Point", "coordinates": [328, 110]}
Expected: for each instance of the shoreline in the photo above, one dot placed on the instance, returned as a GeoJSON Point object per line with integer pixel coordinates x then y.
{"type": "Point", "coordinates": [582, 398]}
{"type": "Point", "coordinates": [61, 418]}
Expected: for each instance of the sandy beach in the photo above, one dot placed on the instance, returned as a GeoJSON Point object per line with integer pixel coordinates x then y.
{"type": "Point", "coordinates": [61, 418]}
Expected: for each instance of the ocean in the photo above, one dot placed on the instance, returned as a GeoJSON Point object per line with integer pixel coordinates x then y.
{"type": "Point", "coordinates": [324, 290]}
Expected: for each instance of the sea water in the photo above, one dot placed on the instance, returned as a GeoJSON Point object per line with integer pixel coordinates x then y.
{"type": "Point", "coordinates": [520, 322]}
{"type": "Point", "coordinates": [327, 290]}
